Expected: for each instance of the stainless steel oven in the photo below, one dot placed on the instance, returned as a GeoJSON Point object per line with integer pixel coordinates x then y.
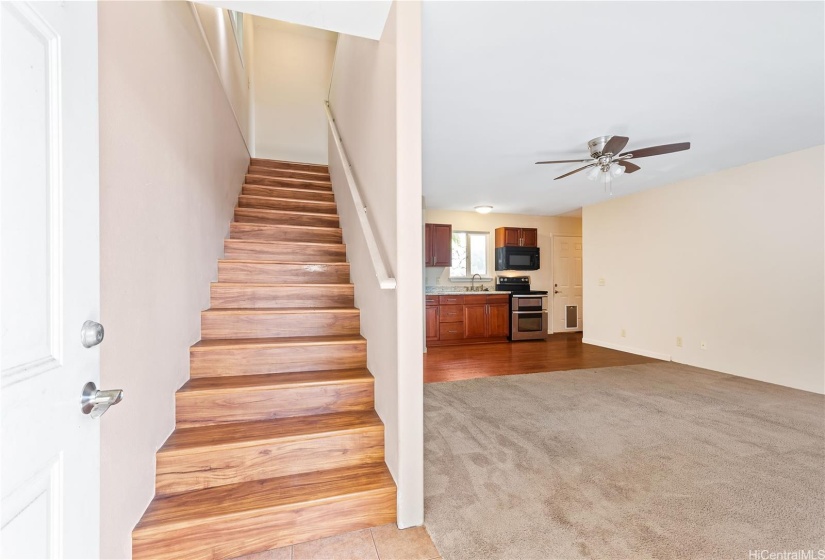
{"type": "Point", "coordinates": [529, 317]}
{"type": "Point", "coordinates": [528, 308]}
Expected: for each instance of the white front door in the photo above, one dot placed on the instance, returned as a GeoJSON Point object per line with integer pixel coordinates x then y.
{"type": "Point", "coordinates": [567, 279]}
{"type": "Point", "coordinates": [49, 279]}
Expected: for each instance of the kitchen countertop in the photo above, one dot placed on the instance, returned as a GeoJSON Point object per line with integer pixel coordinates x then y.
{"type": "Point", "coordinates": [438, 290]}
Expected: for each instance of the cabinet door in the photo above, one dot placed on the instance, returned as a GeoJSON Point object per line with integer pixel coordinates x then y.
{"type": "Point", "coordinates": [428, 245]}
{"type": "Point", "coordinates": [442, 245]}
{"type": "Point", "coordinates": [432, 323]}
{"type": "Point", "coordinates": [511, 237]}
{"type": "Point", "coordinates": [498, 319]}
{"type": "Point", "coordinates": [475, 321]}
{"type": "Point", "coordinates": [529, 238]}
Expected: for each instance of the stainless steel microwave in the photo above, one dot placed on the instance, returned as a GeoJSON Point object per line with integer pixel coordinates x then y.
{"type": "Point", "coordinates": [517, 258]}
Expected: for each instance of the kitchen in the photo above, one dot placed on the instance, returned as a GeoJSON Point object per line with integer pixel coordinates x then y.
{"type": "Point", "coordinates": [474, 261]}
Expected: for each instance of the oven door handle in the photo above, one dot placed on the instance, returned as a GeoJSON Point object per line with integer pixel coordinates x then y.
{"type": "Point", "coordinates": [525, 312]}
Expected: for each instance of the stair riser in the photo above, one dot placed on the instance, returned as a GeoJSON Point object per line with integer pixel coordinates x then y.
{"type": "Point", "coordinates": [216, 362]}
{"type": "Point", "coordinates": [260, 325]}
{"type": "Point", "coordinates": [201, 409]}
{"type": "Point", "coordinates": [281, 297]}
{"type": "Point", "coordinates": [323, 186]}
{"type": "Point", "coordinates": [227, 538]}
{"type": "Point", "coordinates": [287, 204]}
{"type": "Point", "coordinates": [238, 271]}
{"type": "Point", "coordinates": [288, 173]}
{"type": "Point", "coordinates": [298, 194]}
{"type": "Point", "coordinates": [261, 232]}
{"type": "Point", "coordinates": [285, 252]}
{"type": "Point", "coordinates": [258, 216]}
{"type": "Point", "coordinates": [270, 164]}
{"type": "Point", "coordinates": [217, 466]}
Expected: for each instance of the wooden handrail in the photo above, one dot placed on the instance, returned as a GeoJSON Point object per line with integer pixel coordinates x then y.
{"type": "Point", "coordinates": [384, 280]}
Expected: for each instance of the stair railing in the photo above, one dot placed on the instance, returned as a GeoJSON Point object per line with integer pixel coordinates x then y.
{"type": "Point", "coordinates": [384, 280]}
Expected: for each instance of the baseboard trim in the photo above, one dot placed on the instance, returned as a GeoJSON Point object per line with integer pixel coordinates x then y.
{"type": "Point", "coordinates": [629, 349]}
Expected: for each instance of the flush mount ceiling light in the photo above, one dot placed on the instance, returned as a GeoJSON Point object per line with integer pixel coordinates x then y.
{"type": "Point", "coordinates": [483, 209]}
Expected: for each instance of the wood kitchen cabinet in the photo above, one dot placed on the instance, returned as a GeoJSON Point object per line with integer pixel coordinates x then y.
{"type": "Point", "coordinates": [432, 322]}
{"type": "Point", "coordinates": [470, 318]}
{"type": "Point", "coordinates": [438, 245]}
{"type": "Point", "coordinates": [517, 237]}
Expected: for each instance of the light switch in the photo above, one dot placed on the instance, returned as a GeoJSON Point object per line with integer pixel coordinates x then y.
{"type": "Point", "coordinates": [601, 281]}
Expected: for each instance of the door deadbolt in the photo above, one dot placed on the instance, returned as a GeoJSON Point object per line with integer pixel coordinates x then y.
{"type": "Point", "coordinates": [91, 334]}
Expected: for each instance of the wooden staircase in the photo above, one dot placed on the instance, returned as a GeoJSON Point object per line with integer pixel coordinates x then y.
{"type": "Point", "coordinates": [276, 439]}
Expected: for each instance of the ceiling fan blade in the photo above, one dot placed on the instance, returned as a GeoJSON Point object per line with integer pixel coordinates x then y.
{"type": "Point", "coordinates": [615, 145]}
{"type": "Point", "coordinates": [566, 161]}
{"type": "Point", "coordinates": [575, 171]}
{"type": "Point", "coordinates": [658, 150]}
{"type": "Point", "coordinates": [629, 167]}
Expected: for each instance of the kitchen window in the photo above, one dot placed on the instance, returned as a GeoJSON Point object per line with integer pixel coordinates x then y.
{"type": "Point", "coordinates": [469, 254]}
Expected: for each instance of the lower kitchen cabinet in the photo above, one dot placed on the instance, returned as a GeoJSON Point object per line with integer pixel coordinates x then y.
{"type": "Point", "coordinates": [432, 323]}
{"type": "Point", "coordinates": [475, 320]}
{"type": "Point", "coordinates": [498, 319]}
{"type": "Point", "coordinates": [468, 318]}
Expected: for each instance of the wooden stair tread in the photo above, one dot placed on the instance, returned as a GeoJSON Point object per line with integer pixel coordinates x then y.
{"type": "Point", "coordinates": [277, 203]}
{"type": "Point", "coordinates": [276, 380]}
{"type": "Point", "coordinates": [273, 211]}
{"type": "Point", "coordinates": [205, 345]}
{"type": "Point", "coordinates": [274, 285]}
{"type": "Point", "coordinates": [278, 310]}
{"type": "Point", "coordinates": [279, 227]}
{"type": "Point", "coordinates": [299, 172]}
{"type": "Point", "coordinates": [289, 180]}
{"type": "Point", "coordinates": [309, 244]}
{"type": "Point", "coordinates": [263, 162]}
{"type": "Point", "coordinates": [265, 262]}
{"type": "Point", "coordinates": [240, 434]}
{"type": "Point", "coordinates": [199, 506]}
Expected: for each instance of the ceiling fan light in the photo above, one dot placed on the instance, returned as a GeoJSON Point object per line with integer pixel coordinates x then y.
{"type": "Point", "coordinates": [593, 174]}
{"type": "Point", "coordinates": [483, 209]}
{"type": "Point", "coordinates": [617, 169]}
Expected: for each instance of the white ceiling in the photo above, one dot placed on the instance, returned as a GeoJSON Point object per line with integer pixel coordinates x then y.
{"type": "Point", "coordinates": [353, 17]}
{"type": "Point", "coordinates": [507, 84]}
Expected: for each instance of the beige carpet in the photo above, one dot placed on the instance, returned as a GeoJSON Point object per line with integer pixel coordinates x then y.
{"type": "Point", "coordinates": [648, 461]}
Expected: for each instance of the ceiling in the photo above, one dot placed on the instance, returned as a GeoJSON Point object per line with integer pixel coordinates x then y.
{"type": "Point", "coordinates": [353, 17]}
{"type": "Point", "coordinates": [506, 84]}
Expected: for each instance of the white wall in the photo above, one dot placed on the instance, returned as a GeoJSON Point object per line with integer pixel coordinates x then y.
{"type": "Point", "coordinates": [172, 161]}
{"type": "Point", "coordinates": [735, 259]}
{"type": "Point", "coordinates": [292, 70]}
{"type": "Point", "coordinates": [547, 227]}
{"type": "Point", "coordinates": [229, 62]}
{"type": "Point", "coordinates": [376, 102]}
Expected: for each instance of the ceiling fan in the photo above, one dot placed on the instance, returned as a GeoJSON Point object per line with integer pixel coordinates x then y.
{"type": "Point", "coordinates": [607, 158]}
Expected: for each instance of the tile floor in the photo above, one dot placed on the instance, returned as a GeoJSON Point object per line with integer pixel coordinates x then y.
{"type": "Point", "coordinates": [386, 542]}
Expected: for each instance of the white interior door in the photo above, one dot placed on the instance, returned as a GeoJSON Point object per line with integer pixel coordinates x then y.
{"type": "Point", "coordinates": [49, 279]}
{"type": "Point", "coordinates": [567, 279]}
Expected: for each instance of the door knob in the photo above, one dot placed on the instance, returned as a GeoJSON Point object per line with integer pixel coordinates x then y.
{"type": "Point", "coordinates": [95, 402]}
{"type": "Point", "coordinates": [91, 334]}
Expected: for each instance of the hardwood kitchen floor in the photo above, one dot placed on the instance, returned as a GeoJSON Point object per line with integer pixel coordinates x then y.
{"type": "Point", "coordinates": [563, 351]}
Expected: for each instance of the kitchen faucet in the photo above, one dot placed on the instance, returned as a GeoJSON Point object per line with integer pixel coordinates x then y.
{"type": "Point", "coordinates": [473, 281]}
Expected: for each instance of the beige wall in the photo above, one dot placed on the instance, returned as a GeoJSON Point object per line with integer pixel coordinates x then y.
{"type": "Point", "coordinates": [376, 102]}
{"type": "Point", "coordinates": [547, 226]}
{"type": "Point", "coordinates": [232, 67]}
{"type": "Point", "coordinates": [172, 160]}
{"type": "Point", "coordinates": [735, 259]}
{"type": "Point", "coordinates": [292, 72]}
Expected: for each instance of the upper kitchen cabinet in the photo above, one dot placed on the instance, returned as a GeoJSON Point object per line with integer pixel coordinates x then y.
{"type": "Point", "coordinates": [438, 245]}
{"type": "Point", "coordinates": [517, 237]}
